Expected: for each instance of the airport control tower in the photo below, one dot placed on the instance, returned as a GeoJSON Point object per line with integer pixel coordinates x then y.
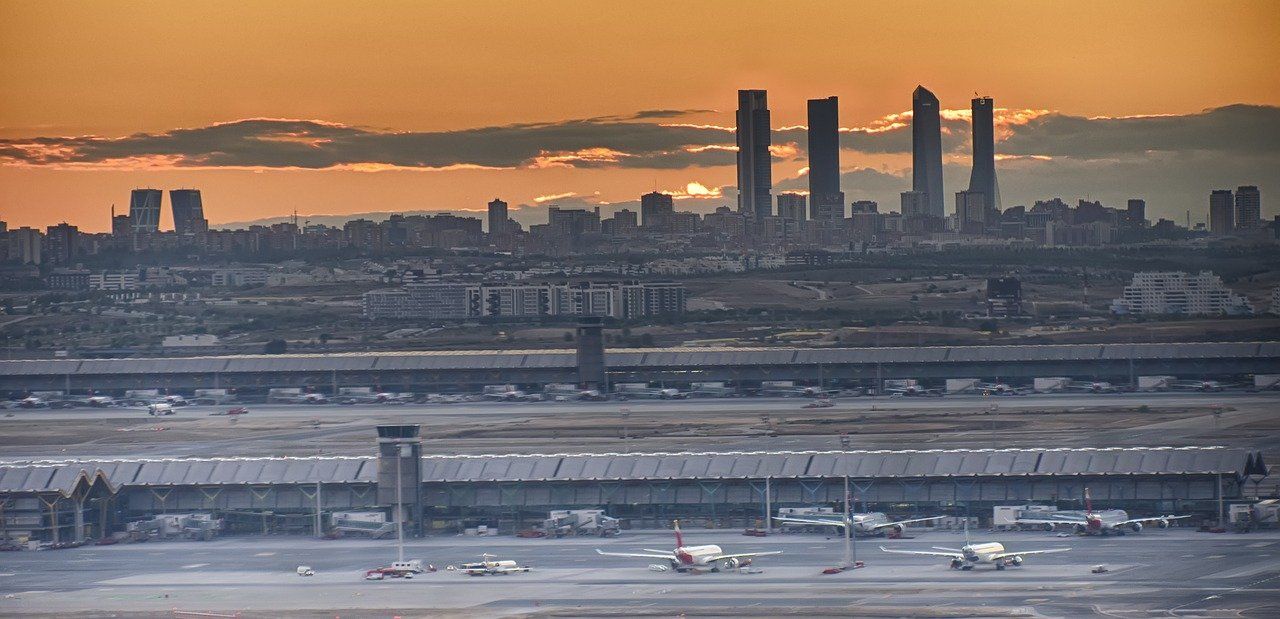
{"type": "Point", "coordinates": [591, 369]}
{"type": "Point", "coordinates": [400, 472]}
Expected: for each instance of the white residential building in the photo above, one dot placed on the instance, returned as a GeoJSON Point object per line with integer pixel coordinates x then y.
{"type": "Point", "coordinates": [232, 278]}
{"type": "Point", "coordinates": [1176, 292]}
{"type": "Point", "coordinates": [114, 280]}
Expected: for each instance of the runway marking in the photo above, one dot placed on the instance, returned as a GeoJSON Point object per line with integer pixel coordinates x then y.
{"type": "Point", "coordinates": [265, 554]}
{"type": "Point", "coordinates": [1259, 544]}
{"type": "Point", "coordinates": [194, 566]}
{"type": "Point", "coordinates": [1216, 557]}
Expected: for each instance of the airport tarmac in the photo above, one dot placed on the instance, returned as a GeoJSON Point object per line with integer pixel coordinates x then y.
{"type": "Point", "coordinates": [737, 424]}
{"type": "Point", "coordinates": [1176, 572]}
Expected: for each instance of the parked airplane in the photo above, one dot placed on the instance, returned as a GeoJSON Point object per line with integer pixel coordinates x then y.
{"type": "Point", "coordinates": [1091, 387]}
{"type": "Point", "coordinates": [1196, 385]}
{"type": "Point", "coordinates": [691, 558]}
{"type": "Point", "coordinates": [626, 391]}
{"type": "Point", "coordinates": [487, 566]}
{"type": "Point", "coordinates": [971, 554]}
{"type": "Point", "coordinates": [1000, 389]}
{"type": "Point", "coordinates": [32, 401]}
{"type": "Point", "coordinates": [504, 393]}
{"type": "Point", "coordinates": [159, 409]}
{"type": "Point", "coordinates": [864, 524]}
{"type": "Point", "coordinates": [1104, 522]}
{"type": "Point", "coordinates": [385, 397]}
{"type": "Point", "coordinates": [911, 390]}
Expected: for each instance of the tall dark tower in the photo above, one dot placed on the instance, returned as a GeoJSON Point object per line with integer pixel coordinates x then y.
{"type": "Point", "coordinates": [755, 174]}
{"type": "Point", "coordinates": [983, 177]}
{"type": "Point", "coordinates": [188, 211]}
{"type": "Point", "coordinates": [591, 368]}
{"type": "Point", "coordinates": [926, 150]}
{"type": "Point", "coordinates": [497, 217]}
{"type": "Point", "coordinates": [825, 198]}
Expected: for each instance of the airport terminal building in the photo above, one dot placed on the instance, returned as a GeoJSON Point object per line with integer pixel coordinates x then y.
{"type": "Point", "coordinates": [64, 500]}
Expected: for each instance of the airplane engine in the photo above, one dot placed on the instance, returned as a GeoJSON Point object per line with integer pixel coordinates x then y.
{"type": "Point", "coordinates": [1048, 526]}
{"type": "Point", "coordinates": [956, 563]}
{"type": "Point", "coordinates": [897, 530]}
{"type": "Point", "coordinates": [1137, 527]}
{"type": "Point", "coordinates": [731, 564]}
{"type": "Point", "coordinates": [1164, 523]}
{"type": "Point", "coordinates": [1016, 561]}
{"type": "Point", "coordinates": [1081, 529]}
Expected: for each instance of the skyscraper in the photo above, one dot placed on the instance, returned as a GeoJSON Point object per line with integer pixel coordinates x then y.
{"type": "Point", "coordinates": [824, 159]}
{"type": "Point", "coordinates": [144, 210]}
{"type": "Point", "coordinates": [656, 210]}
{"type": "Point", "coordinates": [926, 150]}
{"type": "Point", "coordinates": [983, 177]}
{"type": "Point", "coordinates": [1221, 212]}
{"type": "Point", "coordinates": [755, 176]}
{"type": "Point", "coordinates": [188, 211]}
{"type": "Point", "coordinates": [497, 217]}
{"type": "Point", "coordinates": [1248, 207]}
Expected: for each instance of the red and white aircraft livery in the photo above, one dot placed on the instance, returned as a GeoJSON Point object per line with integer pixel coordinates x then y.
{"type": "Point", "coordinates": [691, 558]}
{"type": "Point", "coordinates": [1090, 522]}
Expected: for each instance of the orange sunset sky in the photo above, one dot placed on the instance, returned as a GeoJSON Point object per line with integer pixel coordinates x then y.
{"type": "Point", "coordinates": [444, 105]}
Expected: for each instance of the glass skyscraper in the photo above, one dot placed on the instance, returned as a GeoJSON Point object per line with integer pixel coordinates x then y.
{"type": "Point", "coordinates": [926, 150]}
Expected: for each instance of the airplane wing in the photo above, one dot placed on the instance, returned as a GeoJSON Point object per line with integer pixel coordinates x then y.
{"type": "Point", "coordinates": [817, 521]}
{"type": "Point", "coordinates": [744, 555]}
{"type": "Point", "coordinates": [896, 523]}
{"type": "Point", "coordinates": [640, 555]}
{"type": "Point", "coordinates": [1028, 552]}
{"type": "Point", "coordinates": [1150, 519]}
{"type": "Point", "coordinates": [952, 555]}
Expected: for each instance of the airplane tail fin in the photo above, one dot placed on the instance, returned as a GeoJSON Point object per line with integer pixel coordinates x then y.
{"type": "Point", "coordinates": [679, 536]}
{"type": "Point", "coordinates": [1088, 503]}
{"type": "Point", "coordinates": [966, 532]}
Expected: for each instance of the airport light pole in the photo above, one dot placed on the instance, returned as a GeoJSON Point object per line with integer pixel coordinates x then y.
{"type": "Point", "coordinates": [404, 449]}
{"type": "Point", "coordinates": [850, 553]}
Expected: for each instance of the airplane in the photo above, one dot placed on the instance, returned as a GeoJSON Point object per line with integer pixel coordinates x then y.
{"type": "Point", "coordinates": [791, 391]}
{"type": "Point", "coordinates": [626, 392]}
{"type": "Point", "coordinates": [385, 397]}
{"type": "Point", "coordinates": [971, 554]}
{"type": "Point", "coordinates": [1091, 387]}
{"type": "Point", "coordinates": [398, 569]}
{"type": "Point", "coordinates": [693, 558]}
{"type": "Point", "coordinates": [567, 393]}
{"type": "Point", "coordinates": [487, 566]}
{"type": "Point", "coordinates": [231, 412]}
{"type": "Point", "coordinates": [865, 524]}
{"type": "Point", "coordinates": [504, 393]}
{"type": "Point", "coordinates": [1089, 522]}
{"type": "Point", "coordinates": [1196, 385]}
{"type": "Point", "coordinates": [100, 401]}
{"type": "Point", "coordinates": [999, 389]}
{"type": "Point", "coordinates": [911, 390]}
{"type": "Point", "coordinates": [304, 398]}
{"type": "Point", "coordinates": [32, 401]}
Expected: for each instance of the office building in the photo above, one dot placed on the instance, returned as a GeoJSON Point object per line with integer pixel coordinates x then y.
{"type": "Point", "coordinates": [824, 159]}
{"type": "Point", "coordinates": [656, 210]}
{"type": "Point", "coordinates": [1136, 214]}
{"type": "Point", "coordinates": [1248, 208]}
{"type": "Point", "coordinates": [791, 206]}
{"type": "Point", "coordinates": [864, 206]}
{"type": "Point", "coordinates": [755, 174]}
{"type": "Point", "coordinates": [1176, 292]}
{"type": "Point", "coordinates": [144, 210]}
{"type": "Point", "coordinates": [498, 217]}
{"type": "Point", "coordinates": [435, 301]}
{"type": "Point", "coordinates": [971, 212]}
{"type": "Point", "coordinates": [188, 211]}
{"type": "Point", "coordinates": [983, 176]}
{"type": "Point", "coordinates": [1221, 212]}
{"type": "Point", "coordinates": [926, 150]}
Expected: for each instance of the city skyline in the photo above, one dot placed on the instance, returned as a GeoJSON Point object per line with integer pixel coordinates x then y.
{"type": "Point", "coordinates": [419, 126]}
